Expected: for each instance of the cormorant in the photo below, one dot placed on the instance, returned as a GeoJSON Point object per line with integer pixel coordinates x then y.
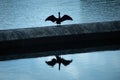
{"type": "Point", "coordinates": [59, 19]}
{"type": "Point", "coordinates": [58, 60]}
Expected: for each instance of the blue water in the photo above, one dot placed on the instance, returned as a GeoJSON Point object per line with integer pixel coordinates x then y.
{"type": "Point", "coordinates": [32, 13]}
{"type": "Point", "coordinates": [87, 66]}
{"type": "Point", "coordinates": [103, 65]}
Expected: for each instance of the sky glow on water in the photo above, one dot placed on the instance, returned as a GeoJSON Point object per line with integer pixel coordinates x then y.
{"type": "Point", "coordinates": [28, 13]}
{"type": "Point", "coordinates": [102, 65]}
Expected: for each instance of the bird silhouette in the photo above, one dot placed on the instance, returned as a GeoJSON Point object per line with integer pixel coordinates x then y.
{"type": "Point", "coordinates": [58, 60]}
{"type": "Point", "coordinates": [59, 19]}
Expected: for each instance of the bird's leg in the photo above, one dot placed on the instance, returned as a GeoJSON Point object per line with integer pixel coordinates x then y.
{"type": "Point", "coordinates": [58, 25]}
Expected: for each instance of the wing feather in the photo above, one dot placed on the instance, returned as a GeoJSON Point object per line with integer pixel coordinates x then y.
{"type": "Point", "coordinates": [52, 62]}
{"type": "Point", "coordinates": [51, 18]}
{"type": "Point", "coordinates": [66, 62]}
{"type": "Point", "coordinates": [66, 17]}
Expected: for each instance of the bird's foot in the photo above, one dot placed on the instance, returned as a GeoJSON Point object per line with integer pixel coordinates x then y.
{"type": "Point", "coordinates": [58, 25]}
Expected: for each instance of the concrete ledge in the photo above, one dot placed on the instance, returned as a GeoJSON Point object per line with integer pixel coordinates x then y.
{"type": "Point", "coordinates": [50, 31]}
{"type": "Point", "coordinates": [27, 41]}
{"type": "Point", "coordinates": [60, 52]}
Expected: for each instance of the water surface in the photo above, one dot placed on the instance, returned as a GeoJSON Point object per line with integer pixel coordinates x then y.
{"type": "Point", "coordinates": [32, 13]}
{"type": "Point", "coordinates": [103, 65]}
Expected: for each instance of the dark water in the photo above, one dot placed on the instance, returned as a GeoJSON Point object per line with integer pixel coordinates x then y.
{"type": "Point", "coordinates": [32, 13]}
{"type": "Point", "coordinates": [104, 65]}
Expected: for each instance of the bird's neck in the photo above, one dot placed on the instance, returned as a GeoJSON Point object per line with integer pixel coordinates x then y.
{"type": "Point", "coordinates": [59, 15]}
{"type": "Point", "coordinates": [59, 65]}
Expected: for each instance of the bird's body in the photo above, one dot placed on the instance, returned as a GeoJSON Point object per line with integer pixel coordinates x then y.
{"type": "Point", "coordinates": [59, 19]}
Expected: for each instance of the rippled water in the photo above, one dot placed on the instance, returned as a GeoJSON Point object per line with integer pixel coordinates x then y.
{"type": "Point", "coordinates": [104, 65]}
{"type": "Point", "coordinates": [32, 13]}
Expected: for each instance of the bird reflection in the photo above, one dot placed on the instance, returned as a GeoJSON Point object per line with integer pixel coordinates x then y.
{"type": "Point", "coordinates": [59, 19]}
{"type": "Point", "coordinates": [58, 60]}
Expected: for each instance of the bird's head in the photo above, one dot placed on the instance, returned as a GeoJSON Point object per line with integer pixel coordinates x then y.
{"type": "Point", "coordinates": [59, 13]}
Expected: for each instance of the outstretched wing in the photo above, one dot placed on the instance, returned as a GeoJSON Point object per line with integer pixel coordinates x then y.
{"type": "Point", "coordinates": [66, 62]}
{"type": "Point", "coordinates": [66, 17]}
{"type": "Point", "coordinates": [51, 18]}
{"type": "Point", "coordinates": [52, 62]}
